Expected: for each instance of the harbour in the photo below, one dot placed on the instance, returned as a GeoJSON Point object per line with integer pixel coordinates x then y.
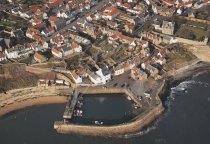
{"type": "Point", "coordinates": [79, 108]}
{"type": "Point", "coordinates": [184, 110]}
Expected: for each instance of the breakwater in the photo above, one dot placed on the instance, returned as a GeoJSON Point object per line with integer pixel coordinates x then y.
{"type": "Point", "coordinates": [110, 131]}
{"type": "Point", "coordinates": [130, 127]}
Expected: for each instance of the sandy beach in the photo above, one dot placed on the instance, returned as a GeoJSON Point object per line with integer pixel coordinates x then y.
{"type": "Point", "coordinates": [32, 102]}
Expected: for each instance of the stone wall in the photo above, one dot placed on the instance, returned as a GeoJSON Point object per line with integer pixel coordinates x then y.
{"type": "Point", "coordinates": [195, 19]}
{"type": "Point", "coordinates": [191, 42]}
{"type": "Point", "coordinates": [131, 127]}
{"type": "Point", "coordinates": [109, 131]}
{"type": "Point", "coordinates": [36, 70]}
{"type": "Point", "coordinates": [111, 90]}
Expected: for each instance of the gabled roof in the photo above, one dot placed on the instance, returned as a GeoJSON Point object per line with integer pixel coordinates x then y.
{"type": "Point", "coordinates": [56, 50]}
{"type": "Point", "coordinates": [105, 71]}
{"type": "Point", "coordinates": [74, 75]}
{"type": "Point", "coordinates": [65, 49]}
{"type": "Point", "coordinates": [39, 56]}
{"type": "Point", "coordinates": [2, 55]}
{"type": "Point", "coordinates": [53, 18]}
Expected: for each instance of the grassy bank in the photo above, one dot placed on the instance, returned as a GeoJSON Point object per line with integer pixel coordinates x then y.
{"type": "Point", "coordinates": [192, 33]}
{"type": "Point", "coordinates": [179, 56]}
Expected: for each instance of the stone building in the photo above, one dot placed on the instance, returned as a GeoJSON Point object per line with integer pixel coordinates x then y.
{"type": "Point", "coordinates": [168, 27]}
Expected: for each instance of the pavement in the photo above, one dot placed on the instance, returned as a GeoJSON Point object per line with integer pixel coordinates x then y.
{"type": "Point", "coordinates": [136, 86]}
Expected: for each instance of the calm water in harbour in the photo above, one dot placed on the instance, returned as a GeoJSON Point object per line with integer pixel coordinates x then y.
{"type": "Point", "coordinates": [187, 121]}
{"type": "Point", "coordinates": [109, 109]}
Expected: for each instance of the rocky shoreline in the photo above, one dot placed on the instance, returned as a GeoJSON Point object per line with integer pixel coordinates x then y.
{"type": "Point", "coordinates": [175, 77]}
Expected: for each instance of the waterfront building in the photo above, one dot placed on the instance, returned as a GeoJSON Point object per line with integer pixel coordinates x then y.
{"type": "Point", "coordinates": [104, 73]}
{"type": "Point", "coordinates": [94, 78]}
{"type": "Point", "coordinates": [77, 79]}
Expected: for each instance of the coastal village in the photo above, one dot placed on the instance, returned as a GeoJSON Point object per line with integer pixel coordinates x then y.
{"type": "Point", "coordinates": [92, 44]}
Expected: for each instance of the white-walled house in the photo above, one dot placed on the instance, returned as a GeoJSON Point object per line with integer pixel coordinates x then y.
{"type": "Point", "coordinates": [76, 47]}
{"type": "Point", "coordinates": [67, 50]}
{"type": "Point", "coordinates": [57, 52]}
{"type": "Point", "coordinates": [94, 78]}
{"type": "Point", "coordinates": [12, 53]}
{"type": "Point", "coordinates": [118, 70]}
{"type": "Point", "coordinates": [77, 79]}
{"type": "Point", "coordinates": [47, 31]}
{"type": "Point", "coordinates": [110, 13]}
{"type": "Point", "coordinates": [104, 73]}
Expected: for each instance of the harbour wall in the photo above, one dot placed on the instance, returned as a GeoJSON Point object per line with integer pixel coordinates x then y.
{"type": "Point", "coordinates": [111, 90]}
{"type": "Point", "coordinates": [109, 131]}
{"type": "Point", "coordinates": [130, 127]}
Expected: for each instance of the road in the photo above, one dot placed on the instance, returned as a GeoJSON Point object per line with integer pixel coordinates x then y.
{"type": "Point", "coordinates": [98, 6]}
{"type": "Point", "coordinates": [145, 25]}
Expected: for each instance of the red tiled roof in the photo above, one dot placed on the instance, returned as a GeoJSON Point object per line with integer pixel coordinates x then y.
{"type": "Point", "coordinates": [53, 18]}
{"type": "Point", "coordinates": [110, 11]}
{"type": "Point", "coordinates": [74, 45]}
{"type": "Point", "coordinates": [50, 28]}
{"type": "Point", "coordinates": [74, 75]}
{"type": "Point", "coordinates": [38, 56]}
{"type": "Point", "coordinates": [2, 55]}
{"type": "Point", "coordinates": [35, 36]}
{"type": "Point", "coordinates": [56, 50]}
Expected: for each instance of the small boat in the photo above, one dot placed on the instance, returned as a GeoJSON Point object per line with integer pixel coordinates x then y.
{"type": "Point", "coordinates": [98, 123]}
{"type": "Point", "coordinates": [128, 98]}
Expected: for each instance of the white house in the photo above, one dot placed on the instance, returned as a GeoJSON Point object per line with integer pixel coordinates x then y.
{"type": "Point", "coordinates": [104, 74]}
{"type": "Point", "coordinates": [15, 10]}
{"type": "Point", "coordinates": [48, 31]}
{"type": "Point", "coordinates": [94, 78]}
{"type": "Point", "coordinates": [77, 79]}
{"type": "Point", "coordinates": [110, 13]}
{"type": "Point", "coordinates": [142, 43]}
{"type": "Point", "coordinates": [25, 14]}
{"type": "Point", "coordinates": [118, 70]}
{"type": "Point", "coordinates": [76, 47]}
{"type": "Point", "coordinates": [12, 53]}
{"type": "Point", "coordinates": [57, 52]}
{"type": "Point", "coordinates": [67, 50]}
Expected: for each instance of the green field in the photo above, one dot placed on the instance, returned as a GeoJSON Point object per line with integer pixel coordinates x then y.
{"type": "Point", "coordinates": [192, 33]}
{"type": "Point", "coordinates": [198, 24]}
{"type": "Point", "coordinates": [179, 57]}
